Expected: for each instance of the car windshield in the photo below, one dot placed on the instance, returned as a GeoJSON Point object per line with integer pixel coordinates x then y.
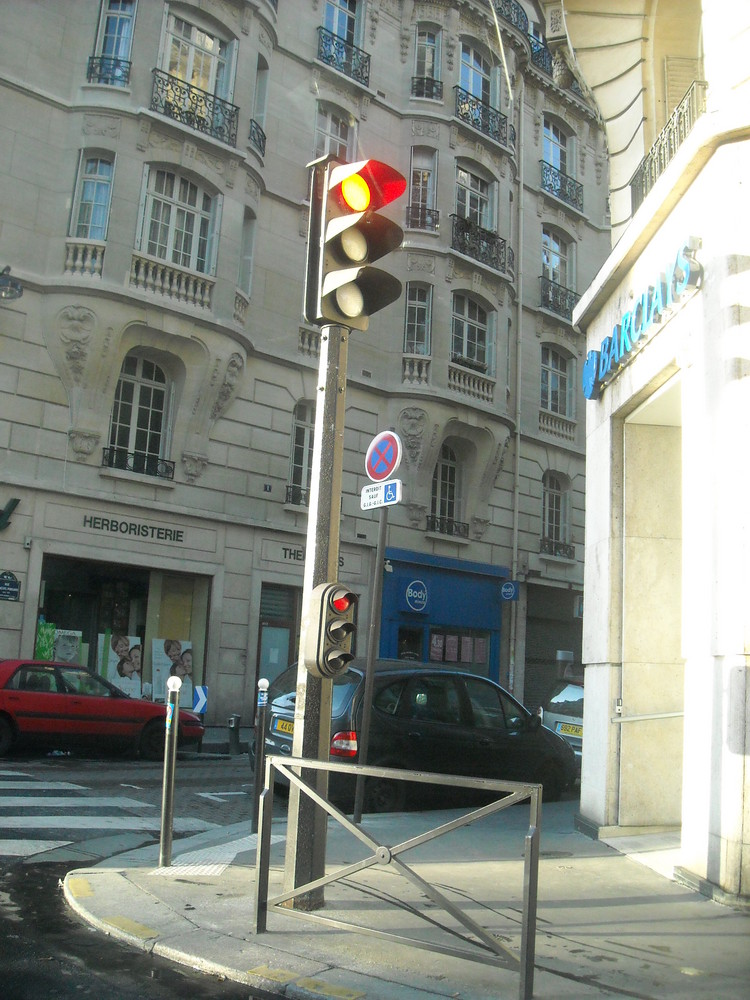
{"type": "Point", "coordinates": [282, 690]}
{"type": "Point", "coordinates": [567, 700]}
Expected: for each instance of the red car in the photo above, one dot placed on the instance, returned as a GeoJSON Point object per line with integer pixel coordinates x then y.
{"type": "Point", "coordinates": [61, 705]}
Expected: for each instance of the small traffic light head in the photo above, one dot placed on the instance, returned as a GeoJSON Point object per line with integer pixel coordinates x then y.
{"type": "Point", "coordinates": [330, 628]}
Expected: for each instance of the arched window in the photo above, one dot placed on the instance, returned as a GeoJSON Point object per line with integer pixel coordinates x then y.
{"type": "Point", "coordinates": [472, 334]}
{"type": "Point", "coordinates": [300, 471]}
{"type": "Point", "coordinates": [93, 195]}
{"type": "Point", "coordinates": [475, 73]}
{"type": "Point", "coordinates": [557, 382]}
{"type": "Point", "coordinates": [180, 221]}
{"type": "Point", "coordinates": [333, 133]}
{"type": "Point", "coordinates": [558, 273]}
{"type": "Point", "coordinates": [422, 213]}
{"type": "Point", "coordinates": [341, 19]}
{"type": "Point", "coordinates": [554, 512]}
{"type": "Point", "coordinates": [445, 497]}
{"type": "Point", "coordinates": [417, 332]}
{"type": "Point", "coordinates": [139, 429]}
{"type": "Point", "coordinates": [556, 151]}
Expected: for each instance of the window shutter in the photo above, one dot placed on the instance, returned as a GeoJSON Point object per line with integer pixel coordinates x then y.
{"type": "Point", "coordinates": [141, 224]}
{"type": "Point", "coordinates": [215, 232]}
{"type": "Point", "coordinates": [73, 220]}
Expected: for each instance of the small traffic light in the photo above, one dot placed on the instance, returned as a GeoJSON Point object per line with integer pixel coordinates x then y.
{"type": "Point", "coordinates": [345, 236]}
{"type": "Point", "coordinates": [329, 630]}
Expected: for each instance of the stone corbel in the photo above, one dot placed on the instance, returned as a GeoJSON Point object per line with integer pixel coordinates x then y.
{"type": "Point", "coordinates": [416, 512]}
{"type": "Point", "coordinates": [479, 526]}
{"type": "Point", "coordinates": [83, 443]}
{"type": "Point", "coordinates": [194, 465]}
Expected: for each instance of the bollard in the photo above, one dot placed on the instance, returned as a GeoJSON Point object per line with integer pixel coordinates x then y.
{"type": "Point", "coordinates": [260, 747]}
{"type": "Point", "coordinates": [170, 756]}
{"type": "Point", "coordinates": [234, 733]}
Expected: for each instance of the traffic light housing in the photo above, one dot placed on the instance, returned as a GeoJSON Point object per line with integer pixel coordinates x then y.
{"type": "Point", "coordinates": [330, 629]}
{"type": "Point", "coordinates": [345, 236]}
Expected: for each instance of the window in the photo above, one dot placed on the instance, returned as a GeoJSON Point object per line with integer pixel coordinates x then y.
{"type": "Point", "coordinates": [475, 73]}
{"type": "Point", "coordinates": [554, 508]}
{"type": "Point", "coordinates": [470, 340]}
{"type": "Point", "coordinates": [421, 212]}
{"type": "Point", "coordinates": [138, 434]}
{"type": "Point", "coordinates": [333, 133]}
{"type": "Point", "coordinates": [300, 473]}
{"type": "Point", "coordinates": [179, 221]}
{"type": "Point", "coordinates": [556, 395]}
{"type": "Point", "coordinates": [418, 319]}
{"type": "Point", "coordinates": [113, 44]}
{"type": "Point", "coordinates": [198, 58]}
{"type": "Point", "coordinates": [260, 98]}
{"type": "Point", "coordinates": [556, 147]}
{"type": "Point", "coordinates": [341, 19]}
{"type": "Point", "coordinates": [444, 503]}
{"type": "Point", "coordinates": [554, 257]}
{"type": "Point", "coordinates": [474, 199]}
{"type": "Point", "coordinates": [94, 191]}
{"type": "Point", "coordinates": [245, 274]}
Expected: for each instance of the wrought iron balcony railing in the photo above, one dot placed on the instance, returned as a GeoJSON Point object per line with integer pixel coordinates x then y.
{"type": "Point", "coordinates": [137, 461]}
{"type": "Point", "coordinates": [481, 244]}
{"type": "Point", "coordinates": [561, 186]}
{"type": "Point", "coordinates": [557, 298]}
{"type": "Point", "coordinates": [297, 496]}
{"type": "Point", "coordinates": [257, 137]}
{"type": "Point", "coordinates": [346, 58]}
{"type": "Point", "coordinates": [483, 117]}
{"type": "Point", "coordinates": [541, 57]}
{"type": "Point", "coordinates": [669, 140]}
{"type": "Point", "coordinates": [195, 108]}
{"type": "Point", "coordinates": [554, 547]}
{"type": "Point", "coordinates": [513, 13]}
{"type": "Point", "coordinates": [422, 217]}
{"type": "Point", "coordinates": [447, 526]}
{"type": "Point", "coordinates": [426, 86]}
{"type": "Point", "coordinates": [108, 69]}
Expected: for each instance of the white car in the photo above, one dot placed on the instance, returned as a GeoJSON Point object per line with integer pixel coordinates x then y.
{"type": "Point", "coordinates": [563, 714]}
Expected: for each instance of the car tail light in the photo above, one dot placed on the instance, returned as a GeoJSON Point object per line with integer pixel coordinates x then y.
{"type": "Point", "coordinates": [344, 744]}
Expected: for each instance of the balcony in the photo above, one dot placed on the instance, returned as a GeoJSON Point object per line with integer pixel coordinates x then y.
{"type": "Point", "coordinates": [109, 70]}
{"type": "Point", "coordinates": [470, 382]}
{"type": "Point", "coordinates": [513, 13]}
{"type": "Point", "coordinates": [415, 369]}
{"type": "Point", "coordinates": [84, 257]}
{"type": "Point", "coordinates": [137, 461]}
{"type": "Point", "coordinates": [297, 496]}
{"type": "Point", "coordinates": [558, 299]}
{"type": "Point", "coordinates": [556, 183]}
{"type": "Point", "coordinates": [257, 137]}
{"type": "Point", "coordinates": [669, 140]}
{"type": "Point", "coordinates": [481, 116]}
{"type": "Point", "coordinates": [556, 548]}
{"type": "Point", "coordinates": [195, 108]}
{"type": "Point", "coordinates": [422, 217]}
{"type": "Point", "coordinates": [346, 58]}
{"type": "Point", "coordinates": [447, 526]}
{"type": "Point", "coordinates": [426, 86]}
{"type": "Point", "coordinates": [480, 244]}
{"type": "Point", "coordinates": [159, 277]}
{"type": "Point", "coordinates": [557, 425]}
{"type": "Point", "coordinates": [541, 57]}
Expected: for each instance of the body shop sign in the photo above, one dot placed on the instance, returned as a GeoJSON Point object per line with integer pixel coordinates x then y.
{"type": "Point", "coordinates": [652, 304]}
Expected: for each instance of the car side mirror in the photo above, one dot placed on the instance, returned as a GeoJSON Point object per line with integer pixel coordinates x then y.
{"type": "Point", "coordinates": [534, 723]}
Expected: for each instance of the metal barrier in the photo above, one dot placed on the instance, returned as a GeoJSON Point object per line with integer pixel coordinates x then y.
{"type": "Point", "coordinates": [487, 949]}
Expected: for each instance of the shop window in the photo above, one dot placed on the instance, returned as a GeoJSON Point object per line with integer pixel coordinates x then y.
{"type": "Point", "coordinates": [468, 649]}
{"type": "Point", "coordinates": [410, 642]}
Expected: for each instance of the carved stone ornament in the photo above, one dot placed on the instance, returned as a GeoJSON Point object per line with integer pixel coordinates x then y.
{"type": "Point", "coordinates": [232, 375]}
{"type": "Point", "coordinates": [412, 423]}
{"type": "Point", "coordinates": [479, 526]}
{"type": "Point", "coordinates": [416, 512]}
{"type": "Point", "coordinates": [75, 325]}
{"type": "Point", "coordinates": [83, 443]}
{"type": "Point", "coordinates": [194, 465]}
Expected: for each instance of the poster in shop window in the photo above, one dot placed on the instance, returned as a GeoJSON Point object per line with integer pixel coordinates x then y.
{"type": "Point", "coordinates": [173, 657]}
{"type": "Point", "coordinates": [437, 644]}
{"type": "Point", "coordinates": [451, 649]}
{"type": "Point", "coordinates": [119, 658]}
{"type": "Point", "coordinates": [66, 647]}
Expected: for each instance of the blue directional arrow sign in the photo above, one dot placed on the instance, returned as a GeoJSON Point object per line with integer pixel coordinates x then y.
{"type": "Point", "coordinates": [200, 698]}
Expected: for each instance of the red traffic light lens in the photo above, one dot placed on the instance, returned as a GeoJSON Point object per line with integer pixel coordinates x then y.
{"type": "Point", "coordinates": [355, 192]}
{"type": "Point", "coordinates": [341, 603]}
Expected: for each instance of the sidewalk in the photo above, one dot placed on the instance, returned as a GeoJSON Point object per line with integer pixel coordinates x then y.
{"type": "Point", "coordinates": [607, 925]}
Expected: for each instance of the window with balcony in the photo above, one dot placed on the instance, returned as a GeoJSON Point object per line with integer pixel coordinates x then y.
{"type": "Point", "coordinates": [300, 469]}
{"type": "Point", "coordinates": [421, 212]}
{"type": "Point", "coordinates": [90, 216]}
{"type": "Point", "coordinates": [475, 73]}
{"type": "Point", "coordinates": [418, 319]}
{"type": "Point", "coordinates": [257, 135]}
{"type": "Point", "coordinates": [558, 165]}
{"type": "Point", "coordinates": [338, 37]}
{"type": "Point", "coordinates": [556, 383]}
{"type": "Point", "coordinates": [478, 96]}
{"type": "Point", "coordinates": [195, 80]}
{"type": "Point", "coordinates": [333, 133]}
{"type": "Point", "coordinates": [558, 273]}
{"type": "Point", "coordinates": [555, 513]}
{"type": "Point", "coordinates": [473, 232]}
{"type": "Point", "coordinates": [426, 81]}
{"type": "Point", "coordinates": [139, 429]}
{"type": "Point", "coordinates": [180, 221]}
{"type": "Point", "coordinates": [472, 335]}
{"type": "Point", "coordinates": [445, 511]}
{"type": "Point", "coordinates": [111, 62]}
{"type": "Point", "coordinates": [474, 201]}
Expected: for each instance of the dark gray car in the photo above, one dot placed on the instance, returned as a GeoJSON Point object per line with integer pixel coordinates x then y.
{"type": "Point", "coordinates": [427, 718]}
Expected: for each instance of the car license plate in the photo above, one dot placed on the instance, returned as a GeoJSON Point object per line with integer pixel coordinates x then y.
{"type": "Point", "coordinates": [283, 726]}
{"type": "Point", "coordinates": [570, 729]}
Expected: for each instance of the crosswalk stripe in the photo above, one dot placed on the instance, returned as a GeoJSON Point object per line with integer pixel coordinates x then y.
{"type": "Point", "coordinates": [25, 848]}
{"type": "Point", "coordinates": [54, 822]}
{"type": "Point", "coordinates": [42, 786]}
{"type": "Point", "coordinates": [68, 802]}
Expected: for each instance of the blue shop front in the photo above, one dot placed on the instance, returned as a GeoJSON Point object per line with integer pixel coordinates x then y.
{"type": "Point", "coordinates": [440, 610]}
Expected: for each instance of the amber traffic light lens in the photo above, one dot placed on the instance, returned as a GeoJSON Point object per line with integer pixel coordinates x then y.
{"type": "Point", "coordinates": [356, 192]}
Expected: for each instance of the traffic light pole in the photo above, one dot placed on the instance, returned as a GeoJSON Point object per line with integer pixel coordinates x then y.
{"type": "Point", "coordinates": [307, 823]}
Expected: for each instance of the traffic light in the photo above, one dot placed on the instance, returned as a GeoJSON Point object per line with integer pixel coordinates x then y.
{"type": "Point", "coordinates": [345, 236]}
{"type": "Point", "coordinates": [330, 629]}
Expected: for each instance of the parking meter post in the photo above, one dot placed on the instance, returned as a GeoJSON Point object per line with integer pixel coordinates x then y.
{"type": "Point", "coordinates": [373, 635]}
{"type": "Point", "coordinates": [260, 748]}
{"type": "Point", "coordinates": [170, 756]}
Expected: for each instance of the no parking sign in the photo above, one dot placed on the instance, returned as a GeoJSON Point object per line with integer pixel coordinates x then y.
{"type": "Point", "coordinates": [383, 456]}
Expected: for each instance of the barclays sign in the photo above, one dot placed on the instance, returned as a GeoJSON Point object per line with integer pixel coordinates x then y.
{"type": "Point", "coordinates": [681, 274]}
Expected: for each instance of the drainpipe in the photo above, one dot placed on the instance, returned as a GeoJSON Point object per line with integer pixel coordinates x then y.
{"type": "Point", "coordinates": [517, 388]}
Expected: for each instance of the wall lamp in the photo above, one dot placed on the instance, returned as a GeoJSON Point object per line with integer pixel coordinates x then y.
{"type": "Point", "coordinates": [10, 288]}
